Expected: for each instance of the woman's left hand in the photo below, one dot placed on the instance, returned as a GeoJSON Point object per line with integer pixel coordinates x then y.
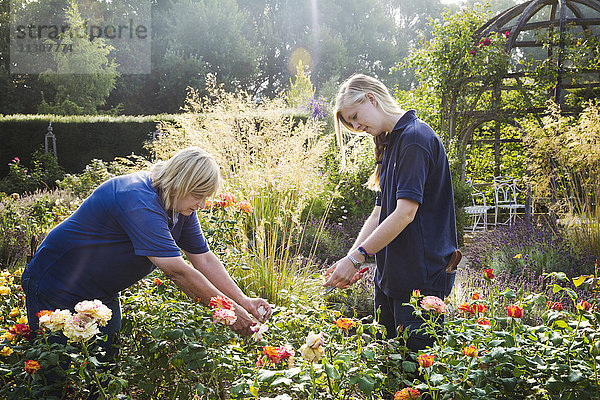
{"type": "Point", "coordinates": [259, 308]}
{"type": "Point", "coordinates": [342, 274]}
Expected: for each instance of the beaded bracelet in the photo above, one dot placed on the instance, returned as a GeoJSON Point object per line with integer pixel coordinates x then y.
{"type": "Point", "coordinates": [354, 261]}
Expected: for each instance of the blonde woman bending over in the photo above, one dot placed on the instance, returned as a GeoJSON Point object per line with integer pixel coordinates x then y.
{"type": "Point", "coordinates": [130, 225]}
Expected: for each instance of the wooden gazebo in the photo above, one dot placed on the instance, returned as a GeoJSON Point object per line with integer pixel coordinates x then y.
{"type": "Point", "coordinates": [562, 17]}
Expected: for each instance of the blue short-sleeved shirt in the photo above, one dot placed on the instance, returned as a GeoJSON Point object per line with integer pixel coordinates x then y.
{"type": "Point", "coordinates": [102, 248]}
{"type": "Point", "coordinates": [415, 167]}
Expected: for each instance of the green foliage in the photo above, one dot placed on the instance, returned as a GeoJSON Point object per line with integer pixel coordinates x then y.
{"type": "Point", "coordinates": [268, 158]}
{"type": "Point", "coordinates": [351, 197]}
{"type": "Point", "coordinates": [556, 359]}
{"type": "Point", "coordinates": [22, 218]}
{"type": "Point", "coordinates": [44, 174]}
{"type": "Point", "coordinates": [84, 78]}
{"type": "Point", "coordinates": [83, 184]}
{"type": "Point", "coordinates": [457, 70]}
{"type": "Point", "coordinates": [565, 165]}
{"type": "Point", "coordinates": [79, 139]}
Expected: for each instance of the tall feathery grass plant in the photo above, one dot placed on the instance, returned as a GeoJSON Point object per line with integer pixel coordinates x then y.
{"type": "Point", "coordinates": [566, 168]}
{"type": "Point", "coordinates": [270, 158]}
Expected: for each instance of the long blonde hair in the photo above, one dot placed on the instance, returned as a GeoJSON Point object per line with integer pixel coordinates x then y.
{"type": "Point", "coordinates": [190, 171]}
{"type": "Point", "coordinates": [352, 92]}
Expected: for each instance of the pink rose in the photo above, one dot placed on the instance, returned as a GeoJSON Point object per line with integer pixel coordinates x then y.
{"type": "Point", "coordinates": [224, 316]}
{"type": "Point", "coordinates": [432, 303]}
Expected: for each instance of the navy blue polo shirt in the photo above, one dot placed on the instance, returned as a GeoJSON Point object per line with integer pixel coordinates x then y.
{"type": "Point", "coordinates": [102, 248]}
{"type": "Point", "coordinates": [415, 167]}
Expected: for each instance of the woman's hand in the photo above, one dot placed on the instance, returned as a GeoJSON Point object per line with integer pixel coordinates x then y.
{"type": "Point", "coordinates": [243, 323]}
{"type": "Point", "coordinates": [342, 274]}
{"type": "Point", "coordinates": [259, 308]}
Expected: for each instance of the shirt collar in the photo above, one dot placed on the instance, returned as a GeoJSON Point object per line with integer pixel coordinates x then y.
{"type": "Point", "coordinates": [404, 120]}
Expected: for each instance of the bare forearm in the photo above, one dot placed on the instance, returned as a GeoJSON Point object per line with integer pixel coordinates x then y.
{"type": "Point", "coordinates": [368, 227]}
{"type": "Point", "coordinates": [214, 270]}
{"type": "Point", "coordinates": [190, 281]}
{"type": "Point", "coordinates": [388, 230]}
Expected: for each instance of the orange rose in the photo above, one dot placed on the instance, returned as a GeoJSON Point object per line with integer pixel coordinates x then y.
{"type": "Point", "coordinates": [426, 360]}
{"type": "Point", "coordinates": [471, 351]}
{"type": "Point", "coordinates": [245, 206]}
{"type": "Point", "coordinates": [220, 302]}
{"type": "Point", "coordinates": [557, 306]}
{"type": "Point", "coordinates": [31, 366]}
{"type": "Point", "coordinates": [583, 306]}
{"type": "Point", "coordinates": [514, 311]}
{"type": "Point", "coordinates": [488, 274]}
{"type": "Point", "coordinates": [466, 308]}
{"type": "Point", "coordinates": [407, 394]}
{"type": "Point", "coordinates": [344, 323]}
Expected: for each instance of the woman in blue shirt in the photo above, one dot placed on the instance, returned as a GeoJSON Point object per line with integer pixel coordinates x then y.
{"type": "Point", "coordinates": [128, 226]}
{"type": "Point", "coordinates": [412, 229]}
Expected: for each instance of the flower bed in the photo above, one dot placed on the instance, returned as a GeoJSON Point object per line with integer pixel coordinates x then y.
{"type": "Point", "coordinates": [173, 347]}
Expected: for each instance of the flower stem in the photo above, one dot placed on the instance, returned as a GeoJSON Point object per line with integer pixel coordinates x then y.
{"type": "Point", "coordinates": [573, 337]}
{"type": "Point", "coordinates": [464, 379]}
{"type": "Point", "coordinates": [312, 378]}
{"type": "Point", "coordinates": [93, 371]}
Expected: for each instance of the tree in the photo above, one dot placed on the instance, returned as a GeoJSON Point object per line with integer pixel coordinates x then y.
{"type": "Point", "coordinates": [213, 31]}
{"type": "Point", "coordinates": [83, 78]}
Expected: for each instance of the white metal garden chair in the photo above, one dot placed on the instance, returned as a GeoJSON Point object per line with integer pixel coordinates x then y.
{"type": "Point", "coordinates": [478, 210]}
{"type": "Point", "coordinates": [505, 198]}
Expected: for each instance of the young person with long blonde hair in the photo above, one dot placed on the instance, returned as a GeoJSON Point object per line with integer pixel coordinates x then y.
{"type": "Point", "coordinates": [412, 229]}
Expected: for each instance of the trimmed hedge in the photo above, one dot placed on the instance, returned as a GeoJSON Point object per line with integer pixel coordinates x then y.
{"type": "Point", "coordinates": [79, 139]}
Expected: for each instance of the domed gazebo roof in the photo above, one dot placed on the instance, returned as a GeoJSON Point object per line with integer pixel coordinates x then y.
{"type": "Point", "coordinates": [523, 20]}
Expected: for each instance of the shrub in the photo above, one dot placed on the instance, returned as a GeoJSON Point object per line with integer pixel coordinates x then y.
{"type": "Point", "coordinates": [24, 218]}
{"type": "Point", "coordinates": [44, 174]}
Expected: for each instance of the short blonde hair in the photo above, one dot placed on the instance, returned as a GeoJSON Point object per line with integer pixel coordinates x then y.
{"type": "Point", "coordinates": [190, 171]}
{"type": "Point", "coordinates": [354, 91]}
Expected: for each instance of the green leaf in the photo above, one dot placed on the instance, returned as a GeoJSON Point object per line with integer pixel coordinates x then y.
{"type": "Point", "coordinates": [200, 388]}
{"type": "Point", "coordinates": [281, 380]}
{"type": "Point", "coordinates": [436, 379]}
{"type": "Point", "coordinates": [509, 294]}
{"type": "Point", "coordinates": [366, 384]}
{"type": "Point", "coordinates": [580, 279]}
{"type": "Point", "coordinates": [561, 324]}
{"type": "Point", "coordinates": [174, 334]}
{"type": "Point", "coordinates": [409, 366]}
{"type": "Point", "coordinates": [556, 288]}
{"type": "Point", "coordinates": [571, 293]}
{"type": "Point", "coordinates": [554, 385]}
{"type": "Point", "coordinates": [369, 354]}
{"type": "Point", "coordinates": [331, 371]}
{"type": "Point", "coordinates": [265, 375]}
{"type": "Point", "coordinates": [574, 376]}
{"type": "Point", "coordinates": [509, 340]}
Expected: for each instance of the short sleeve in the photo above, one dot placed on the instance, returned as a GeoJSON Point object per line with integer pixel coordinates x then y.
{"type": "Point", "coordinates": [378, 198]}
{"type": "Point", "coordinates": [412, 170]}
{"type": "Point", "coordinates": [192, 239]}
{"type": "Point", "coordinates": [148, 230]}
